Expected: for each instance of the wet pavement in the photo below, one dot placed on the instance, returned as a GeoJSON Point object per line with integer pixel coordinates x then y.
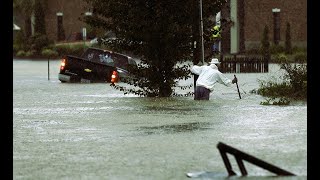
{"type": "Point", "coordinates": [92, 131]}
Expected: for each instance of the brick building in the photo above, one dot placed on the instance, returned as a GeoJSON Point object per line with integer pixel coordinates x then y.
{"type": "Point", "coordinates": [62, 19]}
{"type": "Point", "coordinates": [249, 18]}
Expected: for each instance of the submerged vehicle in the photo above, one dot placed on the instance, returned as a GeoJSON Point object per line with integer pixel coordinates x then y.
{"type": "Point", "coordinates": [95, 65]}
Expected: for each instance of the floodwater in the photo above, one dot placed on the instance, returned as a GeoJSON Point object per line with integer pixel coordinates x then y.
{"type": "Point", "coordinates": [92, 131]}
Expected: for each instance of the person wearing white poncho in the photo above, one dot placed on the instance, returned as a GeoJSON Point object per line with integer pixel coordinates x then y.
{"type": "Point", "coordinates": [208, 77]}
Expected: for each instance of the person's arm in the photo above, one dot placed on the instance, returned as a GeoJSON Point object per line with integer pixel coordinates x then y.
{"type": "Point", "coordinates": [224, 80]}
{"type": "Point", "coordinates": [196, 69]}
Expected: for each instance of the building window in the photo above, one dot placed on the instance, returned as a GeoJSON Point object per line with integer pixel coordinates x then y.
{"type": "Point", "coordinates": [276, 25]}
{"type": "Point", "coordinates": [60, 30]}
{"type": "Point", "coordinates": [88, 13]}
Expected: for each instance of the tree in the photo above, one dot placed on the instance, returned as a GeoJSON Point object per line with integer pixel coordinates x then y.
{"type": "Point", "coordinates": [160, 32]}
{"type": "Point", "coordinates": [25, 7]}
{"type": "Point", "coordinates": [265, 43]}
{"type": "Point", "coordinates": [288, 47]}
{"type": "Point", "coordinates": [39, 17]}
{"type": "Point", "coordinates": [40, 39]}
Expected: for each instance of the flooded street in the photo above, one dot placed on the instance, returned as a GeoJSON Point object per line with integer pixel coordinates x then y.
{"type": "Point", "coordinates": [92, 131]}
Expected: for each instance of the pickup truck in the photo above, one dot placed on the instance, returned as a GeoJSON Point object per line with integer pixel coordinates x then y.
{"type": "Point", "coordinates": [95, 65]}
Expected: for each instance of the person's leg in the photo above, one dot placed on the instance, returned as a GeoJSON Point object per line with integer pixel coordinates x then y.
{"type": "Point", "coordinates": [201, 93]}
{"type": "Point", "coordinates": [205, 94]}
{"type": "Point", "coordinates": [197, 93]}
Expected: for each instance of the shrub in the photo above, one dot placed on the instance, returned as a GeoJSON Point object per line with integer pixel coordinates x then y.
{"type": "Point", "coordinates": [20, 42]}
{"type": "Point", "coordinates": [49, 53]}
{"type": "Point", "coordinates": [273, 89]}
{"type": "Point", "coordinates": [276, 49]}
{"type": "Point", "coordinates": [15, 49]}
{"type": "Point", "coordinates": [288, 46]}
{"type": "Point", "coordinates": [21, 53]}
{"type": "Point", "coordinates": [296, 49]}
{"type": "Point", "coordinates": [39, 41]}
{"type": "Point", "coordinates": [296, 75]}
{"type": "Point", "coordinates": [30, 53]}
{"type": "Point", "coordinates": [300, 57]}
{"type": "Point", "coordinates": [62, 49]}
{"type": "Point", "coordinates": [281, 58]}
{"type": "Point", "coordinates": [292, 86]}
{"type": "Point", "coordinates": [276, 101]}
{"type": "Point", "coordinates": [76, 50]}
{"type": "Point", "coordinates": [265, 44]}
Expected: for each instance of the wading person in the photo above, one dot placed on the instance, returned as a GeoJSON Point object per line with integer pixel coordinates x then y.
{"type": "Point", "coordinates": [208, 77]}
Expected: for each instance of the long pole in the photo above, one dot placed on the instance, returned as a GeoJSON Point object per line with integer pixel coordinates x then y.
{"type": "Point", "coordinates": [237, 86]}
{"type": "Point", "coordinates": [201, 33]}
{"type": "Point", "coordinates": [48, 69]}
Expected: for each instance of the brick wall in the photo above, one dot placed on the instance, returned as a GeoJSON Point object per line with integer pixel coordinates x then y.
{"type": "Point", "coordinates": [259, 13]}
{"type": "Point", "coordinates": [71, 10]}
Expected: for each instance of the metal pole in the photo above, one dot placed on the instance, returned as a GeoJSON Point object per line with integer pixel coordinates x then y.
{"type": "Point", "coordinates": [237, 86]}
{"type": "Point", "coordinates": [48, 69]}
{"type": "Point", "coordinates": [201, 33]}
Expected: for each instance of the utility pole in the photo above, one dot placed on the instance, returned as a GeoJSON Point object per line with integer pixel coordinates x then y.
{"type": "Point", "coordinates": [196, 37]}
{"type": "Point", "coordinates": [201, 33]}
{"type": "Point", "coordinates": [197, 30]}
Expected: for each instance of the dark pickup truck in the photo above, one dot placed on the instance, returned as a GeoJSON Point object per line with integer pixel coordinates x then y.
{"type": "Point", "coordinates": [95, 65]}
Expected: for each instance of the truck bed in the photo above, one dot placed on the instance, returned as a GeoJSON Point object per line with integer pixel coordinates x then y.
{"type": "Point", "coordinates": [95, 65]}
{"type": "Point", "coordinates": [78, 69]}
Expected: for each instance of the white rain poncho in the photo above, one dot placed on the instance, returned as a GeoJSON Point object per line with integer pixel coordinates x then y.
{"type": "Point", "coordinates": [209, 76]}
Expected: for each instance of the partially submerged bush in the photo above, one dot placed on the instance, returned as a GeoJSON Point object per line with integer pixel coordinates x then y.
{"type": "Point", "coordinates": [296, 75]}
{"type": "Point", "coordinates": [276, 101]}
{"type": "Point", "coordinates": [273, 89]}
{"type": "Point", "coordinates": [293, 85]}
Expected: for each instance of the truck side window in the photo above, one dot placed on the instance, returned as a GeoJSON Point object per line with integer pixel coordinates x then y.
{"type": "Point", "coordinates": [132, 62]}
{"type": "Point", "coordinates": [90, 56]}
{"type": "Point", "coordinates": [106, 58]}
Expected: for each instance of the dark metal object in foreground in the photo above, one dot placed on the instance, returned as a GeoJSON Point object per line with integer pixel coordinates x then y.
{"type": "Point", "coordinates": [239, 155]}
{"type": "Point", "coordinates": [237, 86]}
